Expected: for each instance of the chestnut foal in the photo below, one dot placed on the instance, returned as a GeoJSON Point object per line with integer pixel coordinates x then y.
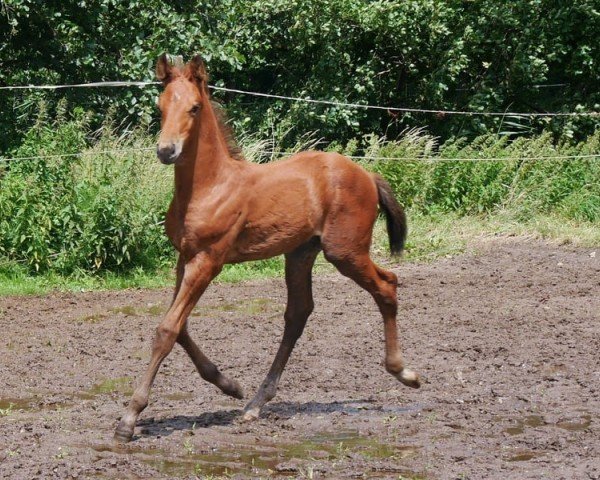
{"type": "Point", "coordinates": [227, 210]}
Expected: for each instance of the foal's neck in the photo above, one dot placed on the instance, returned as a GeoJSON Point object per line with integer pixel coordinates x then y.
{"type": "Point", "coordinates": [206, 159]}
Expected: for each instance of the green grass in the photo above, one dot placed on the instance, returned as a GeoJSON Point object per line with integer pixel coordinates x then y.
{"type": "Point", "coordinates": [95, 221]}
{"type": "Point", "coordinates": [18, 281]}
{"type": "Point", "coordinates": [430, 237]}
{"type": "Point", "coordinates": [15, 281]}
{"type": "Point", "coordinates": [434, 236]}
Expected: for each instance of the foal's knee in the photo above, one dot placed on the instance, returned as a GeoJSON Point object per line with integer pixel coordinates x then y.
{"type": "Point", "coordinates": [165, 338]}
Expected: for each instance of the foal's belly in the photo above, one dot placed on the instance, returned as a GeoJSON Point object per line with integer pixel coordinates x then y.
{"type": "Point", "coordinates": [285, 209]}
{"type": "Point", "coordinates": [260, 241]}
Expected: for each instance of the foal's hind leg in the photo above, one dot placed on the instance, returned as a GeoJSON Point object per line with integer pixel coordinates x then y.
{"type": "Point", "coordinates": [381, 284]}
{"type": "Point", "coordinates": [298, 267]}
{"type": "Point", "coordinates": [197, 274]}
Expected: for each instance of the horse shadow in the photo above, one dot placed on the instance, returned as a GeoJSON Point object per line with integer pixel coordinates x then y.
{"type": "Point", "coordinates": [151, 427]}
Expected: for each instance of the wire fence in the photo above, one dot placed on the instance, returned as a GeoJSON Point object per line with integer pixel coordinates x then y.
{"type": "Point", "coordinates": [311, 100]}
{"type": "Point", "coordinates": [277, 153]}
{"type": "Point", "coordinates": [142, 84]}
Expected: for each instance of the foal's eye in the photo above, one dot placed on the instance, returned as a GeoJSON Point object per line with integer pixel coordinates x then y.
{"type": "Point", "coordinates": [195, 109]}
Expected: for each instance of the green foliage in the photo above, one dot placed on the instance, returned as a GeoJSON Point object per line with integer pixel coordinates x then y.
{"type": "Point", "coordinates": [101, 210]}
{"type": "Point", "coordinates": [566, 187]}
{"type": "Point", "coordinates": [101, 213]}
{"type": "Point", "coordinates": [98, 211]}
{"type": "Point", "coordinates": [483, 55]}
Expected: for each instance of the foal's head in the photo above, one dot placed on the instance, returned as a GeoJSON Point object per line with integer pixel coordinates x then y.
{"type": "Point", "coordinates": [185, 91]}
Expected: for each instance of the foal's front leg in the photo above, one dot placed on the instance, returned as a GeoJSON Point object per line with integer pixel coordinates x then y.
{"type": "Point", "coordinates": [207, 370]}
{"type": "Point", "coordinates": [197, 274]}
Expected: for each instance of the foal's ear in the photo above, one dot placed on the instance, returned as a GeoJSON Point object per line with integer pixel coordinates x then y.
{"type": "Point", "coordinates": [164, 68]}
{"type": "Point", "coordinates": [198, 70]}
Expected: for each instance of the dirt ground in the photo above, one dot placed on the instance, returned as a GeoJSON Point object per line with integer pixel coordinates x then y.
{"type": "Point", "coordinates": [505, 338]}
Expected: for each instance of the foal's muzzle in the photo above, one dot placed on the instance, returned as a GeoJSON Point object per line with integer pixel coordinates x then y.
{"type": "Point", "coordinates": [168, 153]}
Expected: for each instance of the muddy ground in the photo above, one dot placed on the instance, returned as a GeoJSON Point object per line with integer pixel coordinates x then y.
{"type": "Point", "coordinates": [507, 339]}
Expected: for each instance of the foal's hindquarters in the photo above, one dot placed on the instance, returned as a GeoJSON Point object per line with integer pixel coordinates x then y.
{"type": "Point", "coordinates": [344, 235]}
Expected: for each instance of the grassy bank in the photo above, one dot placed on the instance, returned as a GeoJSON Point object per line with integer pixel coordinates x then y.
{"type": "Point", "coordinates": [431, 237]}
{"type": "Point", "coordinates": [94, 219]}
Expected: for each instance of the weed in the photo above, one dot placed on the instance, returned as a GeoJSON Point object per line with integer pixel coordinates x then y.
{"type": "Point", "coordinates": [5, 412]}
{"type": "Point", "coordinates": [341, 450]}
{"type": "Point", "coordinates": [431, 418]}
{"type": "Point", "coordinates": [62, 453]}
{"type": "Point", "coordinates": [188, 446]}
{"type": "Point", "coordinates": [308, 472]}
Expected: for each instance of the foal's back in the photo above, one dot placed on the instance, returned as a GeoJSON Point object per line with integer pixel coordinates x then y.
{"type": "Point", "coordinates": [311, 194]}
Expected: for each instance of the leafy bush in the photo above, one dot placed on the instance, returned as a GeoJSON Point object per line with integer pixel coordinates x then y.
{"type": "Point", "coordinates": [483, 55]}
{"type": "Point", "coordinates": [566, 187]}
{"type": "Point", "coordinates": [102, 208]}
{"type": "Point", "coordinates": [94, 211]}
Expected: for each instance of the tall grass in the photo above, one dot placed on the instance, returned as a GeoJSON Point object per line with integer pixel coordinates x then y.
{"type": "Point", "coordinates": [92, 212]}
{"type": "Point", "coordinates": [102, 210]}
{"type": "Point", "coordinates": [569, 188]}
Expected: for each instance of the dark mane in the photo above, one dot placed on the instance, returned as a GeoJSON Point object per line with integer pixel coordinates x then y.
{"type": "Point", "coordinates": [234, 149]}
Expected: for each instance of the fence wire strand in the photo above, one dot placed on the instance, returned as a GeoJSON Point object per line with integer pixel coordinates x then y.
{"type": "Point", "coordinates": [416, 158]}
{"type": "Point", "coordinates": [311, 100]}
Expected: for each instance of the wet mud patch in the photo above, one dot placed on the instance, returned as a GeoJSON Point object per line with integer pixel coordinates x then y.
{"type": "Point", "coordinates": [506, 340]}
{"type": "Point", "coordinates": [324, 452]}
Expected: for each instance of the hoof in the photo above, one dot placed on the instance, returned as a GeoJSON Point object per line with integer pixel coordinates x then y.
{"type": "Point", "coordinates": [409, 378]}
{"type": "Point", "coordinates": [233, 389]}
{"type": "Point", "coordinates": [250, 415]}
{"type": "Point", "coordinates": [123, 434]}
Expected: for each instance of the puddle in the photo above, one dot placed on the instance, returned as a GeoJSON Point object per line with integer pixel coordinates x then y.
{"type": "Point", "coordinates": [586, 421]}
{"type": "Point", "coordinates": [94, 318]}
{"type": "Point", "coordinates": [121, 449]}
{"type": "Point", "coordinates": [113, 385]}
{"type": "Point", "coordinates": [266, 459]}
{"type": "Point", "coordinates": [179, 396]}
{"type": "Point", "coordinates": [524, 456]}
{"type": "Point", "coordinates": [155, 310]}
{"type": "Point", "coordinates": [122, 385]}
{"type": "Point", "coordinates": [126, 310]}
{"type": "Point", "coordinates": [252, 306]}
{"type": "Point", "coordinates": [528, 421]}
{"type": "Point", "coordinates": [538, 421]}
{"type": "Point", "coordinates": [131, 311]}
{"type": "Point", "coordinates": [13, 405]}
{"type": "Point", "coordinates": [43, 400]}
{"type": "Point", "coordinates": [219, 463]}
{"type": "Point", "coordinates": [9, 405]}
{"type": "Point", "coordinates": [370, 447]}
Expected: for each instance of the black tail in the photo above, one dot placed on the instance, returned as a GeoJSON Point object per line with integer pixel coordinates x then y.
{"type": "Point", "coordinates": [394, 215]}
